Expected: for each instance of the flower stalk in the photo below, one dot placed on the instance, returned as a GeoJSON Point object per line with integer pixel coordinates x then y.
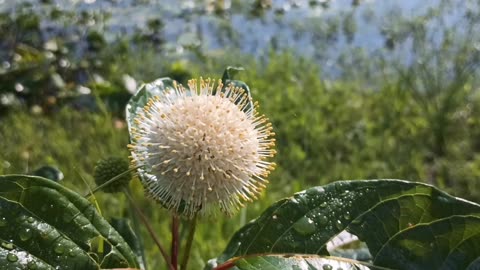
{"type": "Point", "coordinates": [188, 247]}
{"type": "Point", "coordinates": [175, 240]}
{"type": "Point", "coordinates": [149, 229]}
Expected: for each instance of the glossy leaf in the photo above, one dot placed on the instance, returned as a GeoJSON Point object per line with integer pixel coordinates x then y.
{"type": "Point", "coordinates": [292, 261]}
{"type": "Point", "coordinates": [449, 243]}
{"type": "Point", "coordinates": [376, 211]}
{"type": "Point", "coordinates": [123, 227]}
{"type": "Point", "coordinates": [227, 79]}
{"type": "Point", "coordinates": [49, 172]}
{"type": "Point", "coordinates": [141, 97]}
{"type": "Point", "coordinates": [47, 222]}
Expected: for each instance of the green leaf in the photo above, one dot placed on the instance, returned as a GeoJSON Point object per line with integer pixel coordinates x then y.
{"type": "Point", "coordinates": [449, 243]}
{"type": "Point", "coordinates": [227, 79]}
{"type": "Point", "coordinates": [293, 261]}
{"type": "Point", "coordinates": [48, 223]}
{"type": "Point", "coordinates": [49, 172]}
{"type": "Point", "coordinates": [141, 97]}
{"type": "Point", "coordinates": [123, 227]}
{"type": "Point", "coordinates": [376, 211]}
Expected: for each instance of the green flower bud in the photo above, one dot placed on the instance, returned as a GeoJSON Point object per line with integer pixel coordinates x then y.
{"type": "Point", "coordinates": [108, 168]}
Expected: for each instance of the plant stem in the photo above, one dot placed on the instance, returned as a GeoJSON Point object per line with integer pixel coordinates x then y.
{"type": "Point", "coordinates": [150, 229]}
{"type": "Point", "coordinates": [175, 240]}
{"type": "Point", "coordinates": [191, 233]}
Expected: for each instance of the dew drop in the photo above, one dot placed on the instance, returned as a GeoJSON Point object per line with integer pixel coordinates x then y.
{"type": "Point", "coordinates": [7, 245]}
{"type": "Point", "coordinates": [11, 257]}
{"type": "Point", "coordinates": [323, 220]}
{"type": "Point", "coordinates": [304, 226]}
{"type": "Point", "coordinates": [25, 234]}
{"type": "Point", "coordinates": [323, 205]}
{"type": "Point", "coordinates": [274, 217]}
{"type": "Point", "coordinates": [315, 190]}
{"type": "Point", "coordinates": [59, 249]}
{"type": "Point", "coordinates": [339, 224]}
{"type": "Point", "coordinates": [21, 218]}
{"type": "Point", "coordinates": [3, 222]}
{"type": "Point", "coordinates": [327, 267]}
{"type": "Point", "coordinates": [31, 265]}
{"type": "Point", "coordinates": [71, 253]}
{"type": "Point", "coordinates": [30, 219]}
{"type": "Point", "coordinates": [346, 215]}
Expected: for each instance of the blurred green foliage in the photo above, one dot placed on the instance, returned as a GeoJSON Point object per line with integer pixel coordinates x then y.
{"type": "Point", "coordinates": [63, 94]}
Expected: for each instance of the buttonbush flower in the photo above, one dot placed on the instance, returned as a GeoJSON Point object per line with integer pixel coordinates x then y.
{"type": "Point", "coordinates": [202, 148]}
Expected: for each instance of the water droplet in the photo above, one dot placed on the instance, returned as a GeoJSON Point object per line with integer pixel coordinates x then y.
{"type": "Point", "coordinates": [71, 252]}
{"type": "Point", "coordinates": [346, 215]}
{"type": "Point", "coordinates": [59, 249]}
{"type": "Point", "coordinates": [304, 226]}
{"type": "Point", "coordinates": [315, 190]}
{"type": "Point", "coordinates": [30, 219]}
{"type": "Point", "coordinates": [44, 234]}
{"type": "Point", "coordinates": [327, 267]}
{"type": "Point", "coordinates": [25, 234]}
{"type": "Point", "coordinates": [7, 245]}
{"type": "Point", "coordinates": [31, 265]}
{"type": "Point", "coordinates": [323, 220]}
{"type": "Point", "coordinates": [11, 257]}
{"type": "Point", "coordinates": [323, 205]}
{"type": "Point", "coordinates": [21, 218]}
{"type": "Point", "coordinates": [339, 224]}
{"type": "Point", "coordinates": [274, 217]}
{"type": "Point", "coordinates": [3, 222]}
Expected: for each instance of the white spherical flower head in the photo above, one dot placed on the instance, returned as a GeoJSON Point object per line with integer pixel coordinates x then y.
{"type": "Point", "coordinates": [202, 148]}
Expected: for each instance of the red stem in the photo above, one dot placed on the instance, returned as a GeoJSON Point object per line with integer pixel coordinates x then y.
{"type": "Point", "coordinates": [150, 230]}
{"type": "Point", "coordinates": [225, 266]}
{"type": "Point", "coordinates": [175, 241]}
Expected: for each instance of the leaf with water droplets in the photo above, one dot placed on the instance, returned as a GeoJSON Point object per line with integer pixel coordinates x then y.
{"type": "Point", "coordinates": [292, 262]}
{"type": "Point", "coordinates": [56, 227]}
{"type": "Point", "coordinates": [379, 212]}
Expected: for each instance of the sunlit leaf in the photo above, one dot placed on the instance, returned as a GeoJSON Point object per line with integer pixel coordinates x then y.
{"type": "Point", "coordinates": [378, 212]}
{"type": "Point", "coordinates": [293, 261]}
{"type": "Point", "coordinates": [141, 97]}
